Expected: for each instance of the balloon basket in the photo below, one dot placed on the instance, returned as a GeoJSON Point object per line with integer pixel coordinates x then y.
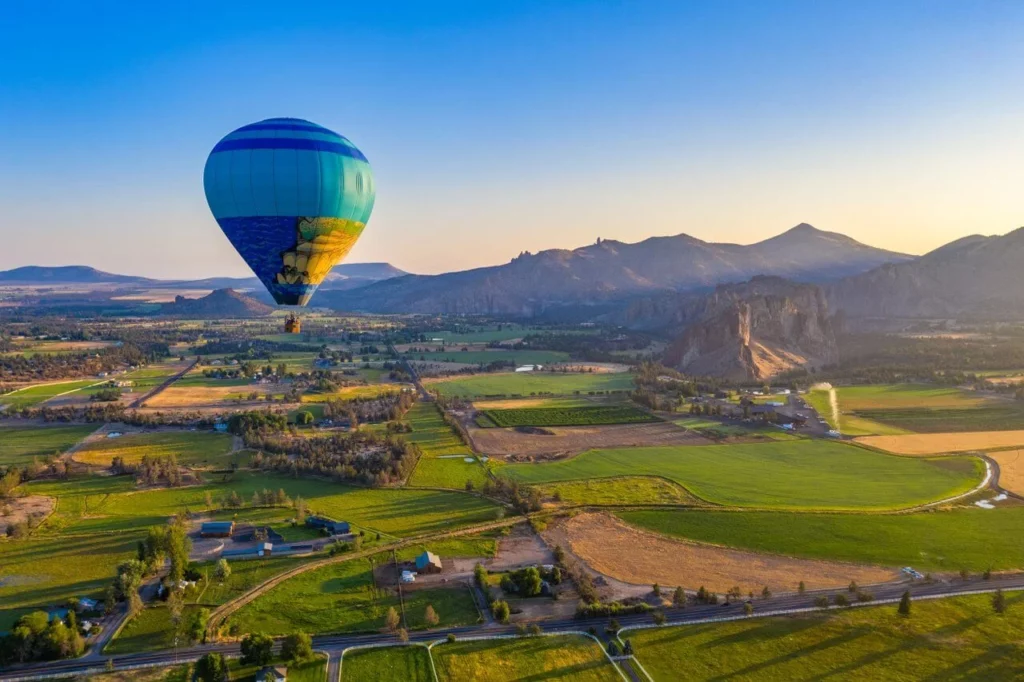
{"type": "Point", "coordinates": [292, 325]}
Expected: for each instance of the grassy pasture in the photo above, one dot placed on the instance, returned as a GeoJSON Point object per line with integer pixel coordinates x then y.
{"type": "Point", "coordinates": [718, 429]}
{"type": "Point", "coordinates": [387, 664]}
{"type": "Point", "coordinates": [800, 474]}
{"type": "Point", "coordinates": [975, 539]}
{"type": "Point", "coordinates": [527, 383]}
{"type": "Point", "coordinates": [959, 638]}
{"type": "Point", "coordinates": [350, 392]}
{"type": "Point", "coordinates": [150, 630]}
{"type": "Point", "coordinates": [479, 335]}
{"type": "Point", "coordinates": [477, 357]}
{"type": "Point", "coordinates": [193, 448]}
{"type": "Point", "coordinates": [570, 416]}
{"type": "Point", "coordinates": [19, 444]}
{"type": "Point", "coordinates": [33, 395]}
{"type": "Point", "coordinates": [532, 658]}
{"type": "Point", "coordinates": [896, 409]}
{"type": "Point", "coordinates": [443, 462]}
{"type": "Point", "coordinates": [346, 601]}
{"type": "Point", "coordinates": [622, 490]}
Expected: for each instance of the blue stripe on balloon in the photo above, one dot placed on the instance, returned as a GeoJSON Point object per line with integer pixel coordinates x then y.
{"type": "Point", "coordinates": [288, 143]}
{"type": "Point", "coordinates": [287, 126]}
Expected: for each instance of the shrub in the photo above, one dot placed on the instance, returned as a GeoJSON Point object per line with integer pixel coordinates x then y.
{"type": "Point", "coordinates": [297, 647]}
{"type": "Point", "coordinates": [841, 600]}
{"type": "Point", "coordinates": [904, 607]}
{"type": "Point", "coordinates": [821, 602]}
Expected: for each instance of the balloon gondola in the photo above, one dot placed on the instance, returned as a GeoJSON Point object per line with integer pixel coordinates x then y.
{"type": "Point", "coordinates": [292, 197]}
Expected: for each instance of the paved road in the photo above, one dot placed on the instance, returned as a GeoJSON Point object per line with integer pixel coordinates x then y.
{"type": "Point", "coordinates": [424, 394]}
{"type": "Point", "coordinates": [333, 645]}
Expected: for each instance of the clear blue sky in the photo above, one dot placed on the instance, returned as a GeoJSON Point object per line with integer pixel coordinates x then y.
{"type": "Point", "coordinates": [495, 127]}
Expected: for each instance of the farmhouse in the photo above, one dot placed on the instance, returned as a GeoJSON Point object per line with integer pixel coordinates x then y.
{"type": "Point", "coordinates": [428, 562]}
{"type": "Point", "coordinates": [333, 527]}
{"type": "Point", "coordinates": [265, 549]}
{"type": "Point", "coordinates": [217, 529]}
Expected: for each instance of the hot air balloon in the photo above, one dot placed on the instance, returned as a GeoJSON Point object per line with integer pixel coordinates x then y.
{"type": "Point", "coordinates": [292, 197]}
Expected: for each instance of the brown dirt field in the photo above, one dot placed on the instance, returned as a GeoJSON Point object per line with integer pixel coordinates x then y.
{"type": "Point", "coordinates": [22, 508]}
{"type": "Point", "coordinates": [631, 555]}
{"type": "Point", "coordinates": [571, 439]}
{"type": "Point", "coordinates": [938, 443]}
{"type": "Point", "coordinates": [1011, 470]}
{"type": "Point", "coordinates": [197, 396]}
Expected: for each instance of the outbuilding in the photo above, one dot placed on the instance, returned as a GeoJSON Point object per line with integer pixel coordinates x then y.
{"type": "Point", "coordinates": [428, 562]}
{"type": "Point", "coordinates": [217, 529]}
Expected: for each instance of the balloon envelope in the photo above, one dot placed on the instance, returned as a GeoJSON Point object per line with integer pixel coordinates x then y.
{"type": "Point", "coordinates": [293, 198]}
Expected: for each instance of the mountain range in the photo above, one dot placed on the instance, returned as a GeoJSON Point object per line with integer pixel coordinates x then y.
{"type": "Point", "coordinates": [344, 276]}
{"type": "Point", "coordinates": [610, 271]}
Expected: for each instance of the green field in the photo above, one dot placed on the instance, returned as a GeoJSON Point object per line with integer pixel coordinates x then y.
{"type": "Point", "coordinates": [28, 397]}
{"type": "Point", "coordinates": [443, 462]}
{"type": "Point", "coordinates": [974, 539]}
{"type": "Point", "coordinates": [895, 409]}
{"type": "Point", "coordinates": [718, 430]}
{"type": "Point", "coordinates": [99, 519]}
{"type": "Point", "coordinates": [478, 335]}
{"type": "Point", "coordinates": [245, 575]}
{"type": "Point", "coordinates": [623, 490]}
{"type": "Point", "coordinates": [781, 475]}
{"type": "Point", "coordinates": [959, 638]}
{"type": "Point", "coordinates": [149, 630]}
{"type": "Point", "coordinates": [192, 448]}
{"type": "Point", "coordinates": [196, 378]}
{"type": "Point", "coordinates": [573, 658]}
{"type": "Point", "coordinates": [20, 444]}
{"type": "Point", "coordinates": [387, 664]}
{"type": "Point", "coordinates": [570, 416]}
{"type": "Point", "coordinates": [529, 383]}
{"type": "Point", "coordinates": [346, 601]}
{"type": "Point", "coordinates": [478, 357]}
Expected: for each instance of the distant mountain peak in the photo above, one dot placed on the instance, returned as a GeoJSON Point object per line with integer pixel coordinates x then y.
{"type": "Point", "coordinates": [221, 303]}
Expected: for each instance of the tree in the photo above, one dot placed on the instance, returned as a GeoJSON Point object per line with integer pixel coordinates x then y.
{"type": "Point", "coordinates": [257, 649]}
{"type": "Point", "coordinates": [535, 629]}
{"type": "Point", "coordinates": [679, 597]}
{"type": "Point", "coordinates": [841, 600]}
{"type": "Point", "coordinates": [748, 609]}
{"type": "Point", "coordinates": [904, 608]}
{"type": "Point", "coordinates": [613, 626]}
{"type": "Point", "coordinates": [195, 627]}
{"type": "Point", "coordinates": [987, 574]}
{"type": "Point", "coordinates": [300, 510]}
{"type": "Point", "coordinates": [304, 418]}
{"type": "Point", "coordinates": [430, 616]}
{"type": "Point", "coordinates": [801, 588]}
{"type": "Point", "coordinates": [613, 648]}
{"type": "Point", "coordinates": [403, 635]}
{"type": "Point", "coordinates": [853, 586]}
{"type": "Point", "coordinates": [999, 601]}
{"type": "Point", "coordinates": [297, 646]}
{"type": "Point", "coordinates": [500, 610]}
{"type": "Point", "coordinates": [627, 648]}
{"type": "Point", "coordinates": [821, 601]}
{"type": "Point", "coordinates": [658, 617]}
{"type": "Point", "coordinates": [451, 638]}
{"type": "Point", "coordinates": [178, 547]}
{"type": "Point", "coordinates": [656, 589]}
{"type": "Point", "coordinates": [392, 621]}
{"type": "Point", "coordinates": [223, 570]}
{"type": "Point", "coordinates": [766, 593]}
{"type": "Point", "coordinates": [211, 668]}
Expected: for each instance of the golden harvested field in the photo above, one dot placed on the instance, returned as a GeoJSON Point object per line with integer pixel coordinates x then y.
{"type": "Point", "coordinates": [1011, 470]}
{"type": "Point", "coordinates": [190, 447]}
{"type": "Point", "coordinates": [629, 554]}
{"type": "Point", "coordinates": [938, 443]}
{"type": "Point", "coordinates": [199, 396]}
{"type": "Point", "coordinates": [571, 439]}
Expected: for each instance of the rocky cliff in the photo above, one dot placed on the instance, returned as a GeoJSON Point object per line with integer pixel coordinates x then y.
{"type": "Point", "coordinates": [751, 331]}
{"type": "Point", "coordinates": [219, 304]}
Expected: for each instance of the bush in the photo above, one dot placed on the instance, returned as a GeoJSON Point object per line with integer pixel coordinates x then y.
{"type": "Point", "coordinates": [904, 607]}
{"type": "Point", "coordinates": [841, 600]}
{"type": "Point", "coordinates": [501, 611]}
{"type": "Point", "coordinates": [257, 649]}
{"type": "Point", "coordinates": [864, 596]}
{"type": "Point", "coordinates": [821, 602]}
{"type": "Point", "coordinates": [210, 668]}
{"type": "Point", "coordinates": [297, 647]}
{"type": "Point", "coordinates": [658, 617]}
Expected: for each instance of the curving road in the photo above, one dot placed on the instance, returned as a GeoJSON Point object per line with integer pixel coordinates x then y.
{"type": "Point", "coordinates": [334, 645]}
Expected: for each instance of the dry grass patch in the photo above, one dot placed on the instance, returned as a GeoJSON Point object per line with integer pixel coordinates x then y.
{"type": "Point", "coordinates": [625, 553]}
{"type": "Point", "coordinates": [1011, 470]}
{"type": "Point", "coordinates": [938, 443]}
{"type": "Point", "coordinates": [572, 439]}
{"type": "Point", "coordinates": [197, 396]}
